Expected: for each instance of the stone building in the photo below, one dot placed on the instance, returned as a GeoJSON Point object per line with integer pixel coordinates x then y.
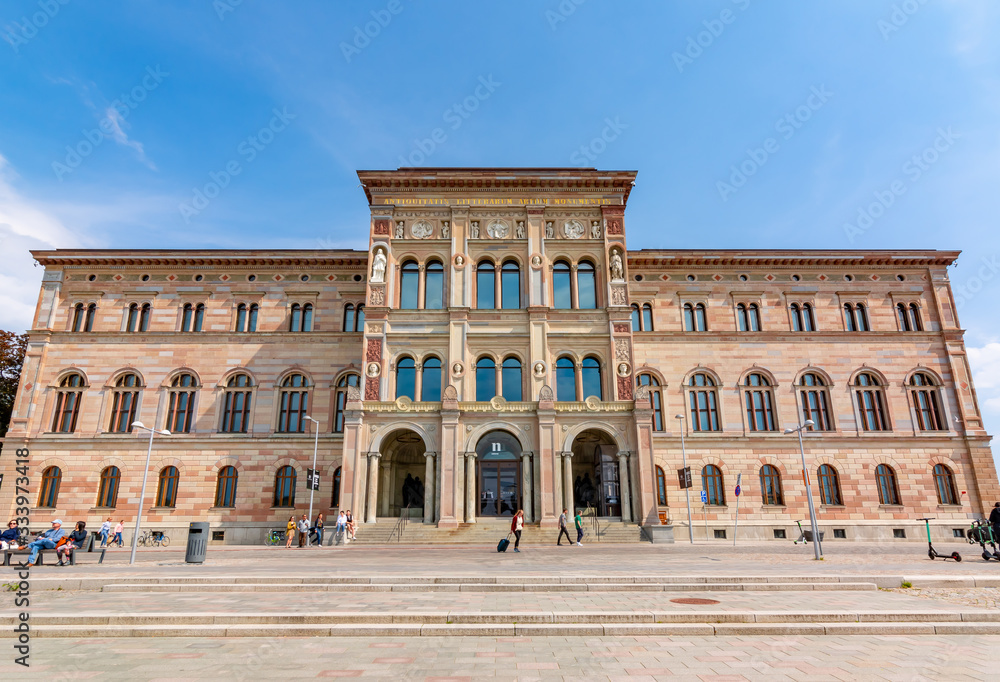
{"type": "Point", "coordinates": [499, 347]}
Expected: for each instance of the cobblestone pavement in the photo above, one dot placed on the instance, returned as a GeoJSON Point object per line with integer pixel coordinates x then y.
{"type": "Point", "coordinates": [721, 659]}
{"type": "Point", "coordinates": [983, 597]}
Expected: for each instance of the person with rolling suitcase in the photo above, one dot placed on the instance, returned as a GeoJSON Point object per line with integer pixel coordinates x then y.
{"type": "Point", "coordinates": [516, 526]}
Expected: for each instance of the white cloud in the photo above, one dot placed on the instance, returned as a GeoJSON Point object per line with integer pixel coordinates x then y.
{"type": "Point", "coordinates": [121, 137]}
{"type": "Point", "coordinates": [985, 363]}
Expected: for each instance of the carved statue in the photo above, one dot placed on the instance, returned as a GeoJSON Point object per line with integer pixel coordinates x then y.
{"type": "Point", "coordinates": [445, 230]}
{"type": "Point", "coordinates": [399, 229]}
{"type": "Point", "coordinates": [459, 261]}
{"type": "Point", "coordinates": [617, 267]}
{"type": "Point", "coordinates": [595, 229]}
{"type": "Point", "coordinates": [550, 230]}
{"type": "Point", "coordinates": [520, 229]}
{"type": "Point", "coordinates": [475, 229]}
{"type": "Point", "coordinates": [498, 229]}
{"type": "Point", "coordinates": [536, 261]}
{"type": "Point", "coordinates": [573, 229]}
{"type": "Point", "coordinates": [378, 266]}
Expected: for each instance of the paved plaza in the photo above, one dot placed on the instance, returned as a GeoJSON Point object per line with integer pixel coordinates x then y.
{"type": "Point", "coordinates": [762, 611]}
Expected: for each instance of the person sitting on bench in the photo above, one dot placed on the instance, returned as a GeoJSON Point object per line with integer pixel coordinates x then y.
{"type": "Point", "coordinates": [46, 540]}
{"type": "Point", "coordinates": [75, 541]}
{"type": "Point", "coordinates": [9, 538]}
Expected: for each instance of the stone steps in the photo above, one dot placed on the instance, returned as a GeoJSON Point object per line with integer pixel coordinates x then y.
{"type": "Point", "coordinates": [485, 532]}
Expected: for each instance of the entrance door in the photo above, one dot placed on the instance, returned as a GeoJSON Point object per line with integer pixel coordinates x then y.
{"type": "Point", "coordinates": [607, 473]}
{"type": "Point", "coordinates": [498, 488]}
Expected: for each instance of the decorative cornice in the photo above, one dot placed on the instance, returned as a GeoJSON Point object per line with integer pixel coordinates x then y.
{"type": "Point", "coordinates": [262, 258]}
{"type": "Point", "coordinates": [667, 258]}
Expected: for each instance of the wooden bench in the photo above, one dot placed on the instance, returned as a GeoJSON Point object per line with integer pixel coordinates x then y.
{"type": "Point", "coordinates": [8, 556]}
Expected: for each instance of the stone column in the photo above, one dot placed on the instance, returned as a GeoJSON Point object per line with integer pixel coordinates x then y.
{"type": "Point", "coordinates": [429, 471]}
{"type": "Point", "coordinates": [373, 458]}
{"type": "Point", "coordinates": [568, 481]}
{"type": "Point", "coordinates": [526, 486]}
{"type": "Point", "coordinates": [386, 486]}
{"type": "Point", "coordinates": [470, 487]}
{"type": "Point", "coordinates": [624, 481]}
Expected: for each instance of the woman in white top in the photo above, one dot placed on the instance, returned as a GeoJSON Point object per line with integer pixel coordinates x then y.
{"type": "Point", "coordinates": [517, 525]}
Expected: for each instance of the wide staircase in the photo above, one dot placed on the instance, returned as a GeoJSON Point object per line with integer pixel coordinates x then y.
{"type": "Point", "coordinates": [487, 531]}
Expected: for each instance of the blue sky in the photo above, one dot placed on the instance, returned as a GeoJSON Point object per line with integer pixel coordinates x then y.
{"type": "Point", "coordinates": [112, 119]}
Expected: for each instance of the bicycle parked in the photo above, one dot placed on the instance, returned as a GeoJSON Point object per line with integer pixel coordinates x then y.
{"type": "Point", "coordinates": [274, 537]}
{"type": "Point", "coordinates": [153, 538]}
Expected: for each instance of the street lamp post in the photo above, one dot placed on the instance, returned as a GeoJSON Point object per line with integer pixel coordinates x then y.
{"type": "Point", "coordinates": [687, 491]}
{"type": "Point", "coordinates": [315, 449]}
{"type": "Point", "coordinates": [142, 495]}
{"type": "Point", "coordinates": [805, 478]}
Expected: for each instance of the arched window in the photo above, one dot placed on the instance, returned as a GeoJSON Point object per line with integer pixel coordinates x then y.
{"type": "Point", "coordinates": [180, 408]}
{"type": "Point", "coordinates": [406, 378]}
{"type": "Point", "coordinates": [926, 403]}
{"type": "Point", "coordinates": [359, 325]}
{"type": "Point", "coordinates": [510, 285]}
{"type": "Point", "coordinates": [871, 403]}
{"type": "Point", "coordinates": [636, 323]}
{"type": "Point", "coordinates": [655, 397]}
{"type": "Point", "coordinates": [340, 399]}
{"type": "Point", "coordinates": [856, 317]}
{"type": "Point", "coordinates": [586, 285]}
{"type": "Point", "coordinates": [704, 402]}
{"type": "Point", "coordinates": [759, 401]}
{"type": "Point", "coordinates": [236, 404]}
{"type": "Point", "coordinates": [748, 317]}
{"type": "Point", "coordinates": [48, 494]}
{"type": "Point", "coordinates": [944, 483]}
{"type": "Point", "coordinates": [88, 325]}
{"type": "Point", "coordinates": [829, 486]}
{"type": "Point", "coordinates": [510, 375]}
{"type": "Point", "coordinates": [694, 317]}
{"type": "Point", "coordinates": [647, 317]}
{"type": "Point", "coordinates": [246, 317]}
{"type": "Point", "coordinates": [349, 317]}
{"type": "Point", "coordinates": [486, 285]}
{"type": "Point", "coordinates": [225, 487]}
{"type": "Point", "coordinates": [107, 494]}
{"type": "Point", "coordinates": [661, 487]}
{"type": "Point", "coordinates": [193, 318]}
{"type": "Point", "coordinates": [888, 490]}
{"type": "Point", "coordinates": [815, 399]}
{"type": "Point", "coordinates": [430, 380]}
{"type": "Point", "coordinates": [132, 318]}
{"type": "Point", "coordinates": [166, 491]}
{"type": "Point", "coordinates": [802, 318]}
{"type": "Point", "coordinates": [562, 288]}
{"type": "Point", "coordinates": [145, 312]}
{"type": "Point", "coordinates": [486, 379]}
{"type": "Point", "coordinates": [916, 324]}
{"type": "Point", "coordinates": [565, 380]}
{"type": "Point", "coordinates": [712, 484]}
{"type": "Point", "coordinates": [124, 402]}
{"type": "Point", "coordinates": [434, 285]}
{"type": "Point", "coordinates": [590, 370]}
{"type": "Point", "coordinates": [294, 404]}
{"type": "Point", "coordinates": [335, 500]}
{"type": "Point", "coordinates": [409, 283]}
{"type": "Point", "coordinates": [284, 487]}
{"type": "Point", "coordinates": [301, 318]}
{"type": "Point", "coordinates": [68, 398]}
{"type": "Point", "coordinates": [770, 485]}
{"type": "Point", "coordinates": [78, 317]}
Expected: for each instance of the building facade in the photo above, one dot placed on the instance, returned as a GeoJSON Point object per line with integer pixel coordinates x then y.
{"type": "Point", "coordinates": [499, 347]}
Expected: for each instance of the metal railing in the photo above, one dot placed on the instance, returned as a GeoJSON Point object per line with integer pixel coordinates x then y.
{"type": "Point", "coordinates": [594, 521]}
{"type": "Point", "coordinates": [397, 532]}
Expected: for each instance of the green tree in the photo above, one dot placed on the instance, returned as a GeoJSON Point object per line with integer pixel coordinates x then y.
{"type": "Point", "coordinates": [12, 349]}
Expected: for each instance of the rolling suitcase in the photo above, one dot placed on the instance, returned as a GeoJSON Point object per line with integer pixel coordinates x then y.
{"type": "Point", "coordinates": [503, 544]}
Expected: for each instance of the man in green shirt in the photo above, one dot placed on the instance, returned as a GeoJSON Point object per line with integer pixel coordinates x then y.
{"type": "Point", "coordinates": [578, 520]}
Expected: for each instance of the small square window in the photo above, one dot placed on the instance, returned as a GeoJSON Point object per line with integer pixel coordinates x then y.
{"type": "Point", "coordinates": [720, 534]}
{"type": "Point", "coordinates": [779, 533]}
{"type": "Point", "coordinates": [218, 536]}
{"type": "Point", "coordinates": [840, 533]}
{"type": "Point", "coordinates": [899, 533]}
{"type": "Point", "coordinates": [958, 532]}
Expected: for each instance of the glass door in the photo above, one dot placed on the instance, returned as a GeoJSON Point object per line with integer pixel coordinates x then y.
{"type": "Point", "coordinates": [499, 491]}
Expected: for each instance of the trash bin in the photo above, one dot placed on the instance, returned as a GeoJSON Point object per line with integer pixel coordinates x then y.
{"type": "Point", "coordinates": [197, 543]}
{"type": "Point", "coordinates": [809, 535]}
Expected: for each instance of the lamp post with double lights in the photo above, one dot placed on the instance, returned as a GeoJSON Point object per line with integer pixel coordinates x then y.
{"type": "Point", "coordinates": [805, 478]}
{"type": "Point", "coordinates": [687, 491]}
{"type": "Point", "coordinates": [145, 472]}
{"type": "Point", "coordinates": [315, 449]}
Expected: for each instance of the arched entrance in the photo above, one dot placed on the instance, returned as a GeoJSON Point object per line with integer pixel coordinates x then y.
{"type": "Point", "coordinates": [498, 459]}
{"type": "Point", "coordinates": [402, 468]}
{"type": "Point", "coordinates": [597, 480]}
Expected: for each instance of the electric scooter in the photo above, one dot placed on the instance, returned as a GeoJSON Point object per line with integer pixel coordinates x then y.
{"type": "Point", "coordinates": [982, 532]}
{"type": "Point", "coordinates": [931, 552]}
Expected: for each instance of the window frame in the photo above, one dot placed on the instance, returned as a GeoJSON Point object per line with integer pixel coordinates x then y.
{"type": "Point", "coordinates": [167, 497]}
{"type": "Point", "coordinates": [586, 283]}
{"type": "Point", "coordinates": [814, 402]}
{"type": "Point", "coordinates": [695, 314]}
{"type": "Point", "coordinates": [562, 364]}
{"type": "Point", "coordinates": [427, 368]}
{"type": "Point", "coordinates": [591, 365]}
{"type": "Point", "coordinates": [652, 384]}
{"type": "Point", "coordinates": [340, 398]}
{"type": "Point", "coordinates": [408, 364]}
{"type": "Point", "coordinates": [772, 495]}
{"type": "Point", "coordinates": [508, 268]}
{"type": "Point", "coordinates": [703, 401]}
{"type": "Point", "coordinates": [562, 269]}
{"type": "Point", "coordinates": [181, 403]}
{"type": "Point", "coordinates": [71, 393]}
{"type": "Point", "coordinates": [888, 486]}
{"type": "Point", "coordinates": [944, 485]}
{"type": "Point", "coordinates": [289, 393]}
{"type": "Point", "coordinates": [119, 409]}
{"type": "Point", "coordinates": [233, 392]}
{"type": "Point", "coordinates": [828, 480]}
{"type": "Point", "coordinates": [715, 490]}
{"type": "Point", "coordinates": [927, 403]}
{"type": "Point", "coordinates": [285, 484]}
{"type": "Point", "coordinates": [661, 487]}
{"type": "Point", "coordinates": [110, 483]}
{"type": "Point", "coordinates": [485, 369]}
{"type": "Point", "coordinates": [759, 398]}
{"type": "Point", "coordinates": [518, 384]}
{"type": "Point", "coordinates": [870, 403]}
{"type": "Point", "coordinates": [48, 492]}
{"type": "Point", "coordinates": [434, 267]}
{"type": "Point", "coordinates": [486, 284]}
{"type": "Point", "coordinates": [226, 486]}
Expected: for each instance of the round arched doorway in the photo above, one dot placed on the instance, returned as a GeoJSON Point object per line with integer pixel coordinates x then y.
{"type": "Point", "coordinates": [498, 456]}
{"type": "Point", "coordinates": [401, 466]}
{"type": "Point", "coordinates": [597, 480]}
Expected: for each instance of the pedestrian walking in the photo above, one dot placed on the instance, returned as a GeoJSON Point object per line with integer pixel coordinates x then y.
{"type": "Point", "coordinates": [105, 532]}
{"type": "Point", "coordinates": [119, 529]}
{"type": "Point", "coordinates": [350, 524]}
{"type": "Point", "coordinates": [563, 520]}
{"type": "Point", "coordinates": [46, 540]}
{"type": "Point", "coordinates": [9, 538]}
{"type": "Point", "coordinates": [303, 531]}
{"type": "Point", "coordinates": [578, 522]}
{"type": "Point", "coordinates": [74, 542]}
{"type": "Point", "coordinates": [340, 534]}
{"type": "Point", "coordinates": [289, 531]}
{"type": "Point", "coordinates": [317, 529]}
{"type": "Point", "coordinates": [995, 520]}
{"type": "Point", "coordinates": [516, 526]}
